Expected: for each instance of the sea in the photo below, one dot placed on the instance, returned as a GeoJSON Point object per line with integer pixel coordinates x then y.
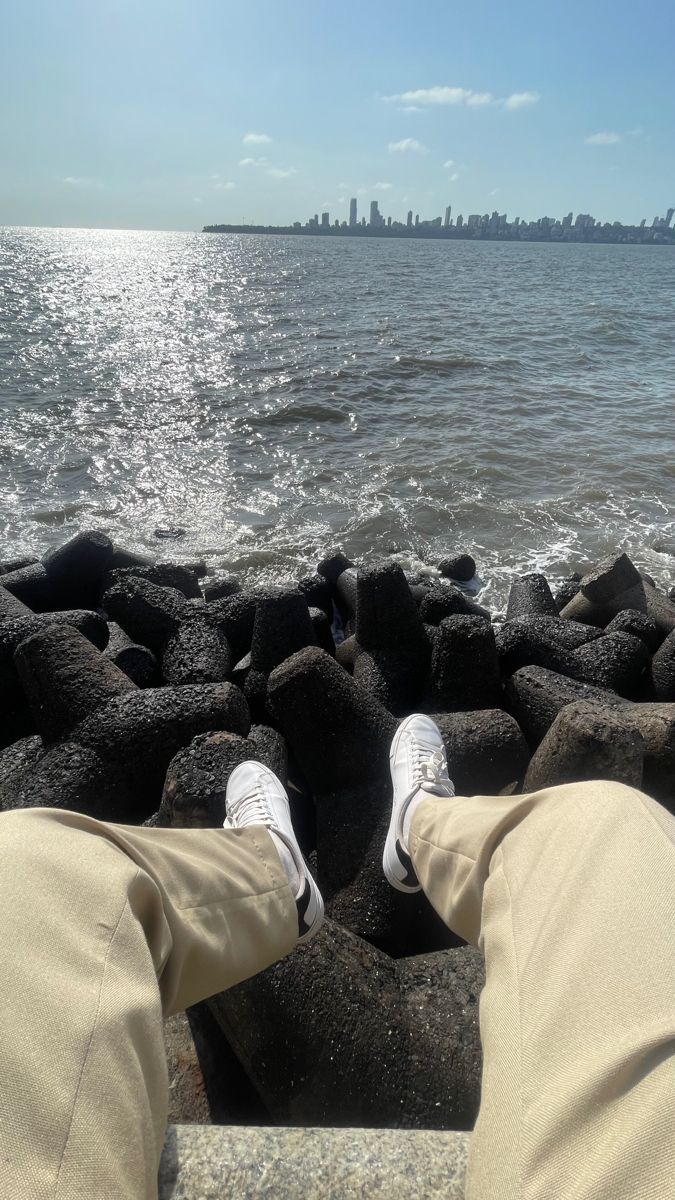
{"type": "Point", "coordinates": [276, 397]}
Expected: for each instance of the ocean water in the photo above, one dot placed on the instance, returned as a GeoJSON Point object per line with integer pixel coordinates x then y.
{"type": "Point", "coordinates": [278, 396]}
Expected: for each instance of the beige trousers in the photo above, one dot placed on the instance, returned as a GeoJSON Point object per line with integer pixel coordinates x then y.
{"type": "Point", "coordinates": [570, 892]}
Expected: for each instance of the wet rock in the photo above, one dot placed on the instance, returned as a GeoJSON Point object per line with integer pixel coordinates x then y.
{"type": "Point", "coordinates": [170, 533]}
{"type": "Point", "coordinates": [196, 653]}
{"type": "Point", "coordinates": [662, 671]}
{"type": "Point", "coordinates": [333, 566]}
{"type": "Point", "coordinates": [461, 567]}
{"type": "Point", "coordinates": [166, 575]}
{"type": "Point", "coordinates": [567, 590]}
{"type": "Point", "coordinates": [65, 678]}
{"type": "Point", "coordinates": [340, 737]}
{"type": "Point", "coordinates": [393, 650]}
{"type": "Point", "coordinates": [137, 734]}
{"type": "Point", "coordinates": [636, 623]}
{"type": "Point", "coordinates": [486, 750]}
{"type": "Point", "coordinates": [282, 626]}
{"type": "Point", "coordinates": [531, 595]}
{"type": "Point", "coordinates": [32, 586]}
{"type": "Point", "coordinates": [464, 665]}
{"type": "Point", "coordinates": [198, 567]}
{"type": "Point", "coordinates": [587, 741]}
{"type": "Point", "coordinates": [220, 589]}
{"type": "Point", "coordinates": [536, 695]}
{"type": "Point", "coordinates": [338, 1034]}
{"type": "Point", "coordinates": [76, 569]}
{"type": "Point", "coordinates": [441, 601]}
{"type": "Point", "coordinates": [322, 630]}
{"type": "Point", "coordinates": [10, 606]}
{"type": "Point", "coordinates": [148, 613]}
{"type": "Point", "coordinates": [317, 593]}
{"type": "Point", "coordinates": [18, 564]}
{"type": "Point", "coordinates": [138, 662]}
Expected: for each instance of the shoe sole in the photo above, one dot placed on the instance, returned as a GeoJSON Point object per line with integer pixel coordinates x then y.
{"type": "Point", "coordinates": [313, 915]}
{"type": "Point", "coordinates": [396, 863]}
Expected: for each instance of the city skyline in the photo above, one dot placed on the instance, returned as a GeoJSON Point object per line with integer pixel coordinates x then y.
{"type": "Point", "coordinates": [167, 113]}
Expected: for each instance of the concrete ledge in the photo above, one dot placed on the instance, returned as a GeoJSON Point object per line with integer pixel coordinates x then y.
{"type": "Point", "coordinates": [228, 1162]}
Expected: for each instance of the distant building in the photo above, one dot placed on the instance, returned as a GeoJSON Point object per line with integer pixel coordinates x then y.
{"type": "Point", "coordinates": [352, 211]}
{"type": "Point", "coordinates": [460, 221]}
{"type": "Point", "coordinates": [325, 220]}
{"type": "Point", "coordinates": [409, 220]}
{"type": "Point", "coordinates": [669, 217]}
{"type": "Point", "coordinates": [417, 219]}
{"type": "Point", "coordinates": [473, 220]}
{"type": "Point", "coordinates": [446, 221]}
{"type": "Point", "coordinates": [567, 221]}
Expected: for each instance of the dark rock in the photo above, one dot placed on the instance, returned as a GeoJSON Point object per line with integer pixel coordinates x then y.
{"type": "Point", "coordinates": [282, 626]}
{"type": "Point", "coordinates": [541, 641]}
{"type": "Point", "coordinates": [170, 533]}
{"type": "Point", "coordinates": [68, 776]}
{"type": "Point", "coordinates": [587, 741]}
{"type": "Point", "coordinates": [600, 598]}
{"type": "Point", "coordinates": [530, 595]}
{"type": "Point", "coordinates": [198, 567]}
{"type": "Point", "coordinates": [166, 575]}
{"type": "Point", "coordinates": [148, 613]}
{"type": "Point", "coordinates": [138, 662]}
{"type": "Point", "coordinates": [317, 593]}
{"type": "Point", "coordinates": [567, 590]}
{"type": "Point", "coordinates": [656, 723]}
{"type": "Point", "coordinates": [345, 653]}
{"type": "Point", "coordinates": [322, 630]}
{"type": "Point", "coordinates": [662, 671]}
{"type": "Point", "coordinates": [65, 678]}
{"type": "Point", "coordinates": [240, 671]}
{"type": "Point", "coordinates": [636, 623]}
{"type": "Point", "coordinates": [13, 630]}
{"type": "Point", "coordinates": [464, 665]}
{"type": "Point", "coordinates": [269, 747]}
{"type": "Point", "coordinates": [235, 616]}
{"type": "Point", "coordinates": [616, 661]}
{"type": "Point", "coordinates": [32, 586]}
{"type": "Point", "coordinates": [403, 1036]}
{"type": "Point", "coordinates": [442, 600]}
{"type": "Point", "coordinates": [333, 566]}
{"type": "Point", "coordinates": [486, 750]}
{"type": "Point", "coordinates": [461, 567]}
{"type": "Point", "coordinates": [77, 568]}
{"type": "Point", "coordinates": [220, 589]}
{"type": "Point", "coordinates": [340, 737]}
{"type": "Point", "coordinates": [10, 606]}
{"type": "Point", "coordinates": [18, 564]}
{"type": "Point", "coordinates": [19, 755]}
{"type": "Point", "coordinates": [536, 695]}
{"type": "Point", "coordinates": [345, 595]}
{"type": "Point", "coordinates": [611, 577]}
{"type": "Point", "coordinates": [196, 653]}
{"type": "Point", "coordinates": [137, 734]}
{"type": "Point", "coordinates": [393, 649]}
{"type": "Point", "coordinates": [122, 558]}
{"type": "Point", "coordinates": [196, 780]}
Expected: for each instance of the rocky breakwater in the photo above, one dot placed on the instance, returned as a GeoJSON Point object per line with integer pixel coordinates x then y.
{"type": "Point", "coordinates": [131, 692]}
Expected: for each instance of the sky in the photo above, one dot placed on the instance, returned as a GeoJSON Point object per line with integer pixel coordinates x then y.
{"type": "Point", "coordinates": [169, 114]}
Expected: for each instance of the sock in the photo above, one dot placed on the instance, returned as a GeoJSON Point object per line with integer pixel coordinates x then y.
{"type": "Point", "coordinates": [288, 863]}
{"type": "Point", "coordinates": [408, 816]}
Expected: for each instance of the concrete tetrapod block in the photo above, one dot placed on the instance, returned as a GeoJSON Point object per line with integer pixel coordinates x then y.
{"type": "Point", "coordinates": [339, 1034]}
{"type": "Point", "coordinates": [461, 567]}
{"type": "Point", "coordinates": [234, 616]}
{"type": "Point", "coordinates": [317, 593]}
{"type": "Point", "coordinates": [486, 750]}
{"type": "Point", "coordinates": [393, 649]}
{"type": "Point", "coordinates": [138, 662]}
{"type": "Point", "coordinates": [65, 679]}
{"type": "Point", "coordinates": [587, 741]}
{"type": "Point", "coordinates": [322, 630]}
{"type": "Point", "coordinates": [121, 557]}
{"type": "Point", "coordinates": [598, 605]}
{"type": "Point", "coordinates": [10, 606]}
{"type": "Point", "coordinates": [636, 623]}
{"type": "Point", "coordinates": [197, 652]}
{"type": "Point", "coordinates": [148, 613]}
{"type": "Point", "coordinates": [464, 665]}
{"type": "Point", "coordinates": [76, 568]}
{"type": "Point", "coordinates": [197, 777]}
{"type": "Point", "coordinates": [32, 586]}
{"type": "Point", "coordinates": [536, 695]}
{"type": "Point", "coordinates": [282, 626]}
{"type": "Point", "coordinates": [530, 595]}
{"type": "Point", "coordinates": [207, 1162]}
{"type": "Point", "coordinates": [69, 776]}
{"type": "Point", "coordinates": [616, 660]}
{"type": "Point", "coordinates": [220, 589]}
{"type": "Point", "coordinates": [341, 737]}
{"type": "Point", "coordinates": [567, 590]}
{"type": "Point", "coordinates": [662, 671]}
{"type": "Point", "coordinates": [612, 576]}
{"type": "Point", "coordinates": [167, 574]}
{"type": "Point", "coordinates": [441, 600]}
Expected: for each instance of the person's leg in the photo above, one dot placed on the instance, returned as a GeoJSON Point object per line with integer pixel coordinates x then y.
{"type": "Point", "coordinates": [105, 929]}
{"type": "Point", "coordinates": [571, 893]}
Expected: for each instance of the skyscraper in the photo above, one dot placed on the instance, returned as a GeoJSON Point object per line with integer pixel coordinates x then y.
{"type": "Point", "coordinates": [374, 213]}
{"type": "Point", "coordinates": [325, 219]}
{"type": "Point", "coordinates": [447, 215]}
{"type": "Point", "coordinates": [352, 211]}
{"type": "Point", "coordinates": [409, 220]}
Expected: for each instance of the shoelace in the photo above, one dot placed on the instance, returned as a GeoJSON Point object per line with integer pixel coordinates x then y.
{"type": "Point", "coordinates": [254, 809]}
{"type": "Point", "coordinates": [430, 771]}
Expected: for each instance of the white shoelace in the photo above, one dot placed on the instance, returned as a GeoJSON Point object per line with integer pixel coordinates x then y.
{"type": "Point", "coordinates": [254, 809]}
{"type": "Point", "coordinates": [430, 771]}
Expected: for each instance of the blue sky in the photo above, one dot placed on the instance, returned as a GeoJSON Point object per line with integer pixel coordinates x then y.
{"type": "Point", "coordinates": [167, 114]}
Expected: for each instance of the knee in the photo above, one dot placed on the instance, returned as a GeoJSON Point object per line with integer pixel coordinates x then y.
{"type": "Point", "coordinates": [23, 830]}
{"type": "Point", "coordinates": [594, 801]}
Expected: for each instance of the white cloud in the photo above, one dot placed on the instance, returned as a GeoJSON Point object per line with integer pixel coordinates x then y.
{"type": "Point", "coordinates": [454, 177]}
{"type": "Point", "coordinates": [450, 162]}
{"type": "Point", "coordinates": [443, 95]}
{"type": "Point", "coordinates": [495, 191]}
{"type": "Point", "coordinates": [521, 99]}
{"type": "Point", "coordinates": [362, 191]}
{"type": "Point", "coordinates": [81, 181]}
{"type": "Point", "coordinates": [226, 186]}
{"type": "Point", "coordinates": [256, 139]}
{"type": "Point", "coordinates": [252, 162]}
{"type": "Point", "coordinates": [603, 139]}
{"type": "Point", "coordinates": [383, 187]}
{"type": "Point", "coordinates": [281, 172]}
{"type": "Point", "coordinates": [407, 146]}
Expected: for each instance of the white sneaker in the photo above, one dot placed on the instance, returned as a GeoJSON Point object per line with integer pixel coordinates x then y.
{"type": "Point", "coordinates": [255, 796]}
{"type": "Point", "coordinates": [418, 764]}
